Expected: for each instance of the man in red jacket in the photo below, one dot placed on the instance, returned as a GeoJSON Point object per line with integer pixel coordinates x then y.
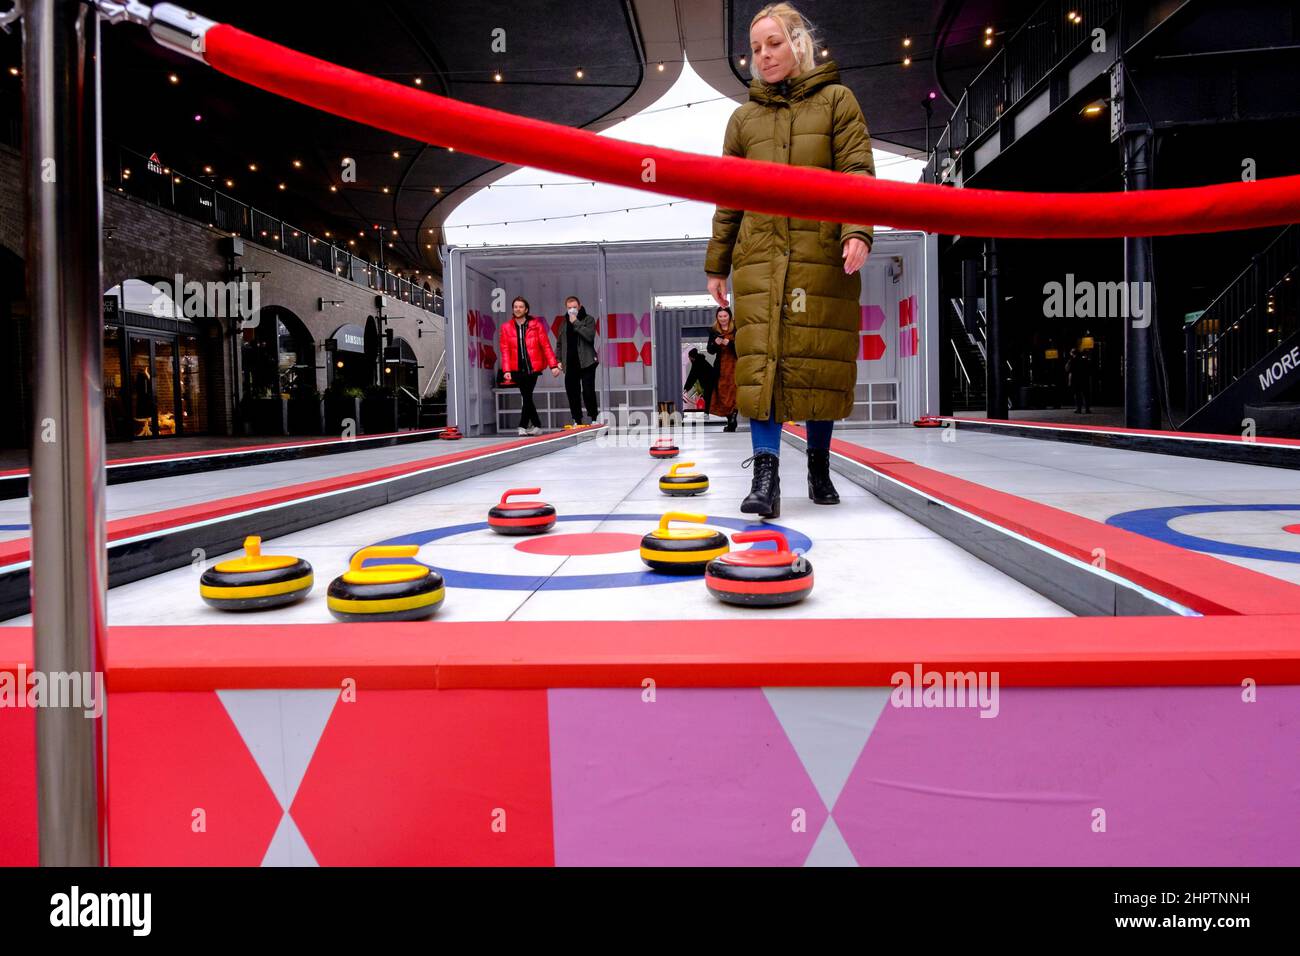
{"type": "Point", "coordinates": [525, 351]}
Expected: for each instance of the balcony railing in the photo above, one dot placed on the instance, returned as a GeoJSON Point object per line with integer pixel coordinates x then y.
{"type": "Point", "coordinates": [133, 174]}
{"type": "Point", "coordinates": [1255, 314]}
{"type": "Point", "coordinates": [1027, 57]}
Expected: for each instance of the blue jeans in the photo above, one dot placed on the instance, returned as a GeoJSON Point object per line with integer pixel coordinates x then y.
{"type": "Point", "coordinates": [766, 436]}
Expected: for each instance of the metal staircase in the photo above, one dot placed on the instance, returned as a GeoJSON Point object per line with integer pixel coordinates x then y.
{"type": "Point", "coordinates": [1242, 350]}
{"type": "Point", "coordinates": [967, 387]}
{"type": "Point", "coordinates": [432, 412]}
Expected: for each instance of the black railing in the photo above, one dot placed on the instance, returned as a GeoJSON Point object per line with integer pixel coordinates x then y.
{"type": "Point", "coordinates": [11, 117]}
{"type": "Point", "coordinates": [134, 174]}
{"type": "Point", "coordinates": [1051, 33]}
{"type": "Point", "coordinates": [1255, 314]}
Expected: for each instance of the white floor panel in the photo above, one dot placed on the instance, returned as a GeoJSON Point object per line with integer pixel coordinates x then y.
{"type": "Point", "coordinates": [1100, 483]}
{"type": "Point", "coordinates": [869, 560]}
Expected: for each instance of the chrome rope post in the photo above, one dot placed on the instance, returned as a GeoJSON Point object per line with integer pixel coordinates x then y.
{"type": "Point", "coordinates": [171, 26]}
{"type": "Point", "coordinates": [62, 179]}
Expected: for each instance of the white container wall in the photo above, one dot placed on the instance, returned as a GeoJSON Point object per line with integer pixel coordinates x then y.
{"type": "Point", "coordinates": [618, 282]}
{"type": "Point", "coordinates": [898, 366]}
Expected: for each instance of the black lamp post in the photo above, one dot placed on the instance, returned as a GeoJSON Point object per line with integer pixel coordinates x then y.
{"type": "Point", "coordinates": [927, 103]}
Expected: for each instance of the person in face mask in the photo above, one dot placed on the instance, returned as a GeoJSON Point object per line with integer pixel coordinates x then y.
{"type": "Point", "coordinates": [577, 341]}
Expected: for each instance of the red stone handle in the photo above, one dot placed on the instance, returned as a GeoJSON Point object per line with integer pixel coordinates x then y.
{"type": "Point", "coordinates": [520, 491]}
{"type": "Point", "coordinates": [762, 534]}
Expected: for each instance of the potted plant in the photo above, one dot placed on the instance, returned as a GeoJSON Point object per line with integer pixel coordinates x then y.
{"type": "Point", "coordinates": [266, 412]}
{"type": "Point", "coordinates": [307, 413]}
{"type": "Point", "coordinates": [342, 405]}
{"type": "Point", "coordinates": [379, 410]}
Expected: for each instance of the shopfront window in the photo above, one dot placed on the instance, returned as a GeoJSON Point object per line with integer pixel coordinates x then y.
{"type": "Point", "coordinates": [277, 357]}
{"type": "Point", "coordinates": [194, 401]}
{"type": "Point", "coordinates": [401, 370]}
{"type": "Point", "coordinates": [116, 416]}
{"type": "Point", "coordinates": [153, 385]}
{"type": "Point", "coordinates": [351, 366]}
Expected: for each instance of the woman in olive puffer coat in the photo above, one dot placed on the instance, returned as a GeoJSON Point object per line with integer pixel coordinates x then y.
{"type": "Point", "coordinates": [796, 281]}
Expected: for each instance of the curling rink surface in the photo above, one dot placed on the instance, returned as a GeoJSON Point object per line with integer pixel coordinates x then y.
{"type": "Point", "coordinates": [1246, 514]}
{"type": "Point", "coordinates": [869, 561]}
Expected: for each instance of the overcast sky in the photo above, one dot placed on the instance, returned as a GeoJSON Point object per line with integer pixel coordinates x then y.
{"type": "Point", "coordinates": [667, 123]}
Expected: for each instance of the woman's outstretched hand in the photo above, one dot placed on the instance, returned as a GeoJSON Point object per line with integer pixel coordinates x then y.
{"type": "Point", "coordinates": [855, 255]}
{"type": "Point", "coordinates": [718, 289]}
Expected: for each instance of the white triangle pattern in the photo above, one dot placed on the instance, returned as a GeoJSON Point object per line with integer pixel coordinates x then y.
{"type": "Point", "coordinates": [281, 729]}
{"type": "Point", "coordinates": [287, 847]}
{"type": "Point", "coordinates": [830, 848]}
{"type": "Point", "coordinates": [828, 728]}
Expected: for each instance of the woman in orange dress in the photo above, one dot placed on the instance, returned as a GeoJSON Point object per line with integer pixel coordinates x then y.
{"type": "Point", "coordinates": [722, 343]}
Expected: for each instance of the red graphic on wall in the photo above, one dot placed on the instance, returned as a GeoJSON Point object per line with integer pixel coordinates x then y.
{"type": "Point", "coordinates": [620, 327]}
{"type": "Point", "coordinates": [481, 348]}
{"type": "Point", "coordinates": [908, 330]}
{"type": "Point", "coordinates": [872, 321]}
{"type": "Point", "coordinates": [873, 347]}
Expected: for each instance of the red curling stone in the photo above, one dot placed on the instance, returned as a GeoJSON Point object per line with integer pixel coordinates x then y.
{"type": "Point", "coordinates": [521, 517]}
{"type": "Point", "coordinates": [754, 578]}
{"type": "Point", "coordinates": [664, 448]}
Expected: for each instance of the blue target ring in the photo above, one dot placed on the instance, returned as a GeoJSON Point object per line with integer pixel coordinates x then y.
{"type": "Point", "coordinates": [624, 579]}
{"type": "Point", "coordinates": [1154, 523]}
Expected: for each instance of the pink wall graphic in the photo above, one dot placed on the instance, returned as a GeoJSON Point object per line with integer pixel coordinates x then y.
{"type": "Point", "coordinates": [481, 348]}
{"type": "Point", "coordinates": [873, 344]}
{"type": "Point", "coordinates": [742, 776]}
{"type": "Point", "coordinates": [627, 339]}
{"type": "Point", "coordinates": [908, 330]}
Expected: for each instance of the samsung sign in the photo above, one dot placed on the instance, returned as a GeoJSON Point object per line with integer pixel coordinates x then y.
{"type": "Point", "coordinates": [350, 338]}
{"type": "Point", "coordinates": [1280, 369]}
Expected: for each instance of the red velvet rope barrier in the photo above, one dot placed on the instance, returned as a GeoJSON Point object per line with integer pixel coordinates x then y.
{"type": "Point", "coordinates": [746, 184]}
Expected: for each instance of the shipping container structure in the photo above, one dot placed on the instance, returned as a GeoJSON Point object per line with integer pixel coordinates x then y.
{"type": "Point", "coordinates": [640, 347]}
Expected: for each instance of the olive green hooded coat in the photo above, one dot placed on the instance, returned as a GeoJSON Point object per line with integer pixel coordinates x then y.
{"type": "Point", "coordinates": [796, 312]}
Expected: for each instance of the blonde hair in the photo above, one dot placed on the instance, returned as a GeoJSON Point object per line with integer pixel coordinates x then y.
{"type": "Point", "coordinates": [800, 34]}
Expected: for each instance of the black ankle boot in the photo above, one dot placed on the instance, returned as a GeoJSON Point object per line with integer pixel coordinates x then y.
{"type": "Point", "coordinates": [731, 423]}
{"type": "Point", "coordinates": [820, 489]}
{"type": "Point", "coordinates": [764, 497]}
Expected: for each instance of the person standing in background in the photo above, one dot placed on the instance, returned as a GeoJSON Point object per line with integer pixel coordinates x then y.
{"type": "Point", "coordinates": [722, 343]}
{"type": "Point", "coordinates": [1079, 369]}
{"type": "Point", "coordinates": [703, 375]}
{"type": "Point", "coordinates": [525, 352]}
{"type": "Point", "coordinates": [577, 350]}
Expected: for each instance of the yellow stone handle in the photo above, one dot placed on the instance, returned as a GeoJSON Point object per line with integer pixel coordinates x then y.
{"type": "Point", "coordinates": [672, 472]}
{"type": "Point", "coordinates": [383, 551]}
{"type": "Point", "coordinates": [681, 516]}
{"type": "Point", "coordinates": [253, 546]}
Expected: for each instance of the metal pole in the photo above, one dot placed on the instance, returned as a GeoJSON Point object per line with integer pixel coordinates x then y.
{"type": "Point", "coordinates": [995, 379]}
{"type": "Point", "coordinates": [1140, 408]}
{"type": "Point", "coordinates": [62, 169]}
{"type": "Point", "coordinates": [602, 306]}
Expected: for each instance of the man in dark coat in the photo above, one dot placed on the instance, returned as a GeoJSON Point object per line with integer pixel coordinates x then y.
{"type": "Point", "coordinates": [1079, 369]}
{"type": "Point", "coordinates": [703, 373]}
{"type": "Point", "coordinates": [577, 348]}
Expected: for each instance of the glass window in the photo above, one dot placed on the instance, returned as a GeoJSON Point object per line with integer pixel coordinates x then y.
{"type": "Point", "coordinates": [164, 377]}
{"type": "Point", "coordinates": [116, 427]}
{"type": "Point", "coordinates": [194, 397]}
